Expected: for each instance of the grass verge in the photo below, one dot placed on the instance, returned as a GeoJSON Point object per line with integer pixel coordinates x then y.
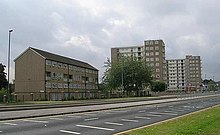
{"type": "Point", "coordinates": [205, 122]}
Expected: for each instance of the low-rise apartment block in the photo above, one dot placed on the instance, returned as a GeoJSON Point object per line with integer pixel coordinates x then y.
{"type": "Point", "coordinates": [43, 75]}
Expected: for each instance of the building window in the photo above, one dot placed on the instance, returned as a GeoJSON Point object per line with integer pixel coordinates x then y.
{"type": "Point", "coordinates": [157, 70]}
{"type": "Point", "coordinates": [151, 59]}
{"type": "Point", "coordinates": [151, 48]}
{"type": "Point", "coordinates": [59, 65]}
{"type": "Point", "coordinates": [157, 64]}
{"type": "Point", "coordinates": [70, 67]}
{"type": "Point", "coordinates": [147, 53]}
{"type": "Point", "coordinates": [156, 53]}
{"type": "Point", "coordinates": [147, 48]}
{"type": "Point", "coordinates": [151, 42]}
{"type": "Point", "coordinates": [53, 76]}
{"type": "Point", "coordinates": [54, 85]}
{"type": "Point", "coordinates": [147, 43]}
{"type": "Point", "coordinates": [147, 59]}
{"type": "Point", "coordinates": [60, 85]}
{"type": "Point", "coordinates": [151, 53]}
{"type": "Point", "coordinates": [65, 77]}
{"type": "Point", "coordinates": [157, 76]}
{"type": "Point", "coordinates": [156, 47]}
{"type": "Point", "coordinates": [48, 85]}
{"type": "Point", "coordinates": [156, 42]}
{"type": "Point", "coordinates": [65, 66]}
{"type": "Point", "coordinates": [65, 85]}
{"type": "Point", "coordinates": [48, 75]}
{"type": "Point", "coordinates": [48, 62]}
{"type": "Point", "coordinates": [157, 59]}
{"type": "Point", "coordinates": [54, 64]}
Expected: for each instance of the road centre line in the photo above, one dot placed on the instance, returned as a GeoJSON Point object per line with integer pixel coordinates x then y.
{"type": "Point", "coordinates": [90, 114]}
{"type": "Point", "coordinates": [128, 120]}
{"type": "Point", "coordinates": [163, 113]}
{"type": "Point", "coordinates": [118, 111]}
{"type": "Point", "coordinates": [56, 118]}
{"type": "Point", "coordinates": [153, 115]}
{"type": "Point", "coordinates": [170, 111]}
{"type": "Point", "coordinates": [73, 116]}
{"type": "Point", "coordinates": [93, 127]}
{"type": "Point", "coordinates": [70, 132]}
{"type": "Point", "coordinates": [36, 121]}
{"type": "Point", "coordinates": [178, 110]}
{"type": "Point", "coordinates": [142, 111]}
{"type": "Point", "coordinates": [112, 123]}
{"type": "Point", "coordinates": [91, 119]}
{"type": "Point", "coordinates": [140, 117]}
{"type": "Point", "coordinates": [12, 124]}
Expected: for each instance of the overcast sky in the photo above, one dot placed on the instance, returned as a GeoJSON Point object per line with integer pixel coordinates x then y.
{"type": "Point", "coordinates": [87, 29]}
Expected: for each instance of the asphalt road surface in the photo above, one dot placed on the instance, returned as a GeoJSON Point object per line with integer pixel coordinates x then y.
{"type": "Point", "coordinates": [104, 122]}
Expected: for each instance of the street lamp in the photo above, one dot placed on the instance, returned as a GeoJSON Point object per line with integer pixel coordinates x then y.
{"type": "Point", "coordinates": [9, 42]}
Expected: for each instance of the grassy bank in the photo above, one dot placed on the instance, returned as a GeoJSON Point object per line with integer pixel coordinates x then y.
{"type": "Point", "coordinates": [202, 123]}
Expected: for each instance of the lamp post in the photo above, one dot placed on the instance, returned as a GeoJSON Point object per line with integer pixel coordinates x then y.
{"type": "Point", "coordinates": [9, 43]}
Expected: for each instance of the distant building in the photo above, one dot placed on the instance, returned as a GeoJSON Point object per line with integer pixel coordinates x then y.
{"type": "Point", "coordinates": [152, 52]}
{"type": "Point", "coordinates": [184, 74]}
{"type": "Point", "coordinates": [176, 75]}
{"type": "Point", "coordinates": [43, 75]}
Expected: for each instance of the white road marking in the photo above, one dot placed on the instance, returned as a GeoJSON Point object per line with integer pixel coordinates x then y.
{"type": "Point", "coordinates": [153, 115]}
{"type": "Point", "coordinates": [112, 123]}
{"type": "Point", "coordinates": [140, 117]}
{"type": "Point", "coordinates": [187, 106]}
{"type": "Point", "coordinates": [90, 114]}
{"type": "Point", "coordinates": [170, 112]}
{"type": "Point", "coordinates": [12, 124]}
{"type": "Point", "coordinates": [118, 111]}
{"type": "Point", "coordinates": [73, 116]}
{"type": "Point", "coordinates": [170, 106]}
{"type": "Point", "coordinates": [56, 118]}
{"type": "Point", "coordinates": [93, 127]}
{"type": "Point", "coordinates": [0, 131]}
{"type": "Point", "coordinates": [163, 113]}
{"type": "Point", "coordinates": [142, 111]}
{"type": "Point", "coordinates": [91, 119]}
{"type": "Point", "coordinates": [36, 121]}
{"type": "Point", "coordinates": [128, 120]}
{"type": "Point", "coordinates": [70, 132]}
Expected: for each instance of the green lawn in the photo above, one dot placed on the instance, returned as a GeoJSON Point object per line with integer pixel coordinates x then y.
{"type": "Point", "coordinates": [202, 123]}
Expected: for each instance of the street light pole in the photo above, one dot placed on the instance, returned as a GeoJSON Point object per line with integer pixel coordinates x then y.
{"type": "Point", "coordinates": [9, 43]}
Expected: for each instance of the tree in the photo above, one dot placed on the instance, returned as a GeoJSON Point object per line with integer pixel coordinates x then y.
{"type": "Point", "coordinates": [158, 86]}
{"type": "Point", "coordinates": [3, 80]}
{"type": "Point", "coordinates": [128, 74]}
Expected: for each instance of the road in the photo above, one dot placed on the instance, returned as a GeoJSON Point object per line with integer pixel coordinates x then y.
{"type": "Point", "coordinates": [105, 122]}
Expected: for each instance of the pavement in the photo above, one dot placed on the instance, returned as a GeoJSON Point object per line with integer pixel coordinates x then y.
{"type": "Point", "coordinates": [31, 113]}
{"type": "Point", "coordinates": [36, 105]}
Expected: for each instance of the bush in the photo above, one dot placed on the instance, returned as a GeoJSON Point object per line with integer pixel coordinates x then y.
{"type": "Point", "coordinates": [157, 86]}
{"type": "Point", "coordinates": [2, 93]}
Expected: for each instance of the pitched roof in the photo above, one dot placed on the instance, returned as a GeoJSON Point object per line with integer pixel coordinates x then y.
{"type": "Point", "coordinates": [59, 58]}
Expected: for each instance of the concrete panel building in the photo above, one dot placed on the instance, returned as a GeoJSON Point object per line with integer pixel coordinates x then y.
{"type": "Point", "coordinates": [152, 51]}
{"type": "Point", "coordinates": [184, 74]}
{"type": "Point", "coordinates": [43, 75]}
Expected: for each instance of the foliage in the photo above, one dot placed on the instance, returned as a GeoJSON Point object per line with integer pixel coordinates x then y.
{"type": "Point", "coordinates": [2, 93]}
{"type": "Point", "coordinates": [158, 86]}
{"type": "Point", "coordinates": [3, 80]}
{"type": "Point", "coordinates": [212, 86]}
{"type": "Point", "coordinates": [128, 74]}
